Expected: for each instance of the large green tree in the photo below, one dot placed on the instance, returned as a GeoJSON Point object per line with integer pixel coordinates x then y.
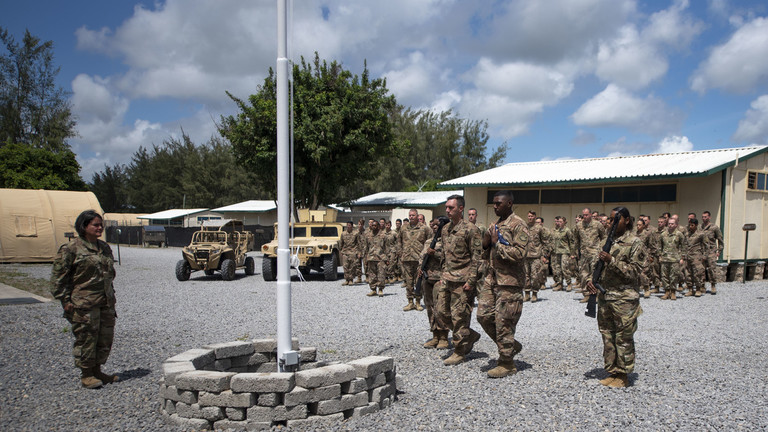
{"type": "Point", "coordinates": [25, 167]}
{"type": "Point", "coordinates": [341, 129]}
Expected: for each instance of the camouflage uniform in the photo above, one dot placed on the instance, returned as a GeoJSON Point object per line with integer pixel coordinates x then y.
{"type": "Point", "coordinates": [362, 236]}
{"type": "Point", "coordinates": [350, 251]}
{"type": "Point", "coordinates": [462, 248]}
{"type": "Point", "coordinates": [645, 276]}
{"type": "Point", "coordinates": [392, 247]}
{"type": "Point", "coordinates": [376, 255]}
{"type": "Point", "coordinates": [430, 286]}
{"type": "Point", "coordinates": [672, 251]}
{"type": "Point", "coordinates": [588, 238]}
{"type": "Point", "coordinates": [82, 275]}
{"type": "Point", "coordinates": [656, 254]}
{"type": "Point", "coordinates": [563, 247]}
{"type": "Point", "coordinates": [538, 247]}
{"type": "Point", "coordinates": [482, 269]}
{"type": "Point", "coordinates": [713, 249]}
{"type": "Point", "coordinates": [619, 307]}
{"type": "Point", "coordinates": [694, 261]}
{"type": "Point", "coordinates": [411, 242]}
{"type": "Point", "coordinates": [500, 298]}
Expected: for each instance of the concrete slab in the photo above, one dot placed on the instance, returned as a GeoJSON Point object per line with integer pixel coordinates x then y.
{"type": "Point", "coordinates": [10, 295]}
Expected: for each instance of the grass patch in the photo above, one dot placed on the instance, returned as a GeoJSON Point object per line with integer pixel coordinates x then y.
{"type": "Point", "coordinates": [16, 279]}
{"type": "Point", "coordinates": [244, 337]}
{"type": "Point", "coordinates": [329, 351]}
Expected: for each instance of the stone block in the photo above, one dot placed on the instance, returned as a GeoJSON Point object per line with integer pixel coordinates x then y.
{"type": "Point", "coordinates": [376, 381]}
{"type": "Point", "coordinates": [269, 367]}
{"type": "Point", "coordinates": [239, 361]}
{"type": "Point", "coordinates": [369, 408]}
{"type": "Point", "coordinates": [325, 376]}
{"type": "Point", "coordinates": [307, 354]}
{"type": "Point", "coordinates": [317, 422]}
{"type": "Point", "coordinates": [355, 386]}
{"type": "Point", "coordinates": [278, 413]}
{"type": "Point", "coordinates": [236, 414]}
{"type": "Point", "coordinates": [230, 424]}
{"type": "Point", "coordinates": [391, 374]}
{"type": "Point", "coordinates": [196, 411]}
{"type": "Point", "coordinates": [170, 407]}
{"type": "Point", "coordinates": [197, 356]}
{"type": "Point", "coordinates": [371, 366]}
{"type": "Point", "coordinates": [174, 394]}
{"type": "Point", "coordinates": [231, 349]}
{"type": "Point", "coordinates": [257, 358]}
{"type": "Point", "coordinates": [172, 370]}
{"type": "Point", "coordinates": [270, 399]}
{"type": "Point", "coordinates": [350, 401]}
{"type": "Point", "coordinates": [385, 403]}
{"type": "Point", "coordinates": [209, 381]}
{"type": "Point", "coordinates": [258, 426]}
{"type": "Point", "coordinates": [227, 398]}
{"type": "Point", "coordinates": [325, 407]}
{"type": "Point", "coordinates": [380, 393]}
{"type": "Point", "coordinates": [264, 345]}
{"type": "Point", "coordinates": [281, 382]}
{"type": "Point", "coordinates": [222, 365]}
{"type": "Point", "coordinates": [300, 395]}
{"type": "Point", "coordinates": [189, 423]}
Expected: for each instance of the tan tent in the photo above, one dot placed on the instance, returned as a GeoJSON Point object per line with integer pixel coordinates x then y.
{"type": "Point", "coordinates": [124, 219]}
{"type": "Point", "coordinates": [34, 223]}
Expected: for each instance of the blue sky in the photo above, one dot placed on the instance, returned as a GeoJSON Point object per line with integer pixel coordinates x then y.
{"type": "Point", "coordinates": [554, 79]}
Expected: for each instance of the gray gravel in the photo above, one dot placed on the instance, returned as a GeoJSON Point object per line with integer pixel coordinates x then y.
{"type": "Point", "coordinates": [700, 362]}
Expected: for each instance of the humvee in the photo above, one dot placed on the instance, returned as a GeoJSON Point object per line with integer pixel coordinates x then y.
{"type": "Point", "coordinates": [220, 245]}
{"type": "Point", "coordinates": [315, 244]}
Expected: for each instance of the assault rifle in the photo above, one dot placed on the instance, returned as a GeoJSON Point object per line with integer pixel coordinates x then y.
{"type": "Point", "coordinates": [442, 221]}
{"type": "Point", "coordinates": [598, 272]}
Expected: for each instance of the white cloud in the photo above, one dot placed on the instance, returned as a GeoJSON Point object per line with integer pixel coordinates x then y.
{"type": "Point", "coordinates": [629, 61]}
{"type": "Point", "coordinates": [754, 127]}
{"type": "Point", "coordinates": [415, 79]}
{"type": "Point", "coordinates": [616, 107]}
{"type": "Point", "coordinates": [674, 144]}
{"type": "Point", "coordinates": [673, 27]}
{"type": "Point", "coordinates": [740, 64]}
{"type": "Point", "coordinates": [621, 147]}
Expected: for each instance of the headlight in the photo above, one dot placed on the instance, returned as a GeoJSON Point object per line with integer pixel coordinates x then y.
{"type": "Point", "coordinates": [310, 250]}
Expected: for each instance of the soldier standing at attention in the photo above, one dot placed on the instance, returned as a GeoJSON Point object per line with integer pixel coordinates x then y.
{"type": "Point", "coordinates": [461, 253]}
{"type": "Point", "coordinates": [642, 233]}
{"type": "Point", "coordinates": [563, 247]}
{"type": "Point", "coordinates": [696, 240]}
{"type": "Point", "coordinates": [361, 235]}
{"type": "Point", "coordinates": [713, 248]}
{"type": "Point", "coordinates": [398, 252]}
{"type": "Point", "coordinates": [587, 235]}
{"type": "Point", "coordinates": [376, 255]}
{"type": "Point", "coordinates": [672, 258]}
{"type": "Point", "coordinates": [500, 297]}
{"type": "Point", "coordinates": [535, 258]}
{"type": "Point", "coordinates": [544, 269]}
{"type": "Point", "coordinates": [82, 277]}
{"type": "Point", "coordinates": [430, 285]}
{"type": "Point", "coordinates": [661, 226]}
{"type": "Point", "coordinates": [386, 226]}
{"type": "Point", "coordinates": [619, 307]}
{"type": "Point", "coordinates": [482, 267]}
{"type": "Point", "coordinates": [411, 241]}
{"type": "Point", "coordinates": [350, 252]}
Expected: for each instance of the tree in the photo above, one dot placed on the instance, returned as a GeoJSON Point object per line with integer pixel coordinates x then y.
{"type": "Point", "coordinates": [341, 129]}
{"type": "Point", "coordinates": [25, 167]}
{"type": "Point", "coordinates": [111, 188]}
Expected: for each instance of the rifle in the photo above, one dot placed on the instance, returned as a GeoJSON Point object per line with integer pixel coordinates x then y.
{"type": "Point", "coordinates": [598, 272]}
{"type": "Point", "coordinates": [442, 221]}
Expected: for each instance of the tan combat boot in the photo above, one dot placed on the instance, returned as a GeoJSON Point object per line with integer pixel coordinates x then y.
{"type": "Point", "coordinates": [432, 343]}
{"type": "Point", "coordinates": [534, 297]}
{"type": "Point", "coordinates": [527, 296]}
{"type": "Point", "coordinates": [106, 379]}
{"type": "Point", "coordinates": [619, 381]}
{"type": "Point", "coordinates": [569, 288]}
{"type": "Point", "coordinates": [607, 380]}
{"type": "Point", "coordinates": [673, 295]}
{"type": "Point", "coordinates": [689, 292]}
{"type": "Point", "coordinates": [419, 307]}
{"type": "Point", "coordinates": [502, 369]}
{"type": "Point", "coordinates": [666, 295]}
{"type": "Point", "coordinates": [88, 380]}
{"type": "Point", "coordinates": [372, 293]}
{"type": "Point", "coordinates": [358, 280]}
{"type": "Point", "coordinates": [471, 340]}
{"type": "Point", "coordinates": [647, 293]}
{"type": "Point", "coordinates": [712, 289]}
{"type": "Point", "coordinates": [345, 283]}
{"type": "Point", "coordinates": [443, 340]}
{"type": "Point", "coordinates": [584, 299]}
{"type": "Point", "coordinates": [381, 292]}
{"type": "Point", "coordinates": [655, 290]}
{"type": "Point", "coordinates": [410, 306]}
{"type": "Point", "coordinates": [698, 292]}
{"type": "Point", "coordinates": [454, 359]}
{"type": "Point", "coordinates": [557, 287]}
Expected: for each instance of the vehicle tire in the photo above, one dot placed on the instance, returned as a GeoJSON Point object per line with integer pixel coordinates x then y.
{"type": "Point", "coordinates": [228, 269]}
{"type": "Point", "coordinates": [269, 269]}
{"type": "Point", "coordinates": [250, 266]}
{"type": "Point", "coordinates": [331, 267]}
{"type": "Point", "coordinates": [209, 272]}
{"type": "Point", "coordinates": [183, 270]}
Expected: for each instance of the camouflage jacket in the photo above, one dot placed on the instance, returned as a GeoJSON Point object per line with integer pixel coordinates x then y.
{"type": "Point", "coordinates": [411, 241]}
{"type": "Point", "coordinates": [672, 246]}
{"type": "Point", "coordinates": [714, 239]}
{"type": "Point", "coordinates": [376, 246]}
{"type": "Point", "coordinates": [656, 241]}
{"type": "Point", "coordinates": [361, 240]}
{"type": "Point", "coordinates": [83, 273]}
{"type": "Point", "coordinates": [435, 263]}
{"type": "Point", "coordinates": [507, 264]}
{"type": "Point", "coordinates": [348, 244]}
{"type": "Point", "coordinates": [561, 242]}
{"type": "Point", "coordinates": [621, 277]}
{"type": "Point", "coordinates": [538, 241]}
{"type": "Point", "coordinates": [391, 244]}
{"type": "Point", "coordinates": [462, 248]}
{"type": "Point", "coordinates": [649, 241]}
{"type": "Point", "coordinates": [588, 238]}
{"type": "Point", "coordinates": [695, 244]}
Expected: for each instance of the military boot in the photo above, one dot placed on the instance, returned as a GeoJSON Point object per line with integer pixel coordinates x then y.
{"type": "Point", "coordinates": [502, 369]}
{"type": "Point", "coordinates": [584, 299]}
{"type": "Point", "coordinates": [673, 295]}
{"type": "Point", "coordinates": [372, 293]}
{"type": "Point", "coordinates": [381, 292]}
{"type": "Point", "coordinates": [534, 297]}
{"type": "Point", "coordinates": [345, 283]}
{"type": "Point", "coordinates": [443, 340]}
{"type": "Point", "coordinates": [666, 295]}
{"type": "Point", "coordinates": [647, 293]}
{"type": "Point", "coordinates": [557, 287]}
{"type": "Point", "coordinates": [419, 307]}
{"type": "Point", "coordinates": [88, 380]}
{"type": "Point", "coordinates": [569, 288]}
{"type": "Point", "coordinates": [432, 343]}
{"type": "Point", "coordinates": [454, 359]}
{"type": "Point", "coordinates": [698, 292]}
{"type": "Point", "coordinates": [619, 381]}
{"type": "Point", "coordinates": [358, 280]}
{"type": "Point", "coordinates": [106, 379]}
{"type": "Point", "coordinates": [713, 290]}
{"type": "Point", "coordinates": [607, 380]}
{"type": "Point", "coordinates": [471, 340]}
{"type": "Point", "coordinates": [527, 296]}
{"type": "Point", "coordinates": [688, 293]}
{"type": "Point", "coordinates": [655, 290]}
{"type": "Point", "coordinates": [410, 306]}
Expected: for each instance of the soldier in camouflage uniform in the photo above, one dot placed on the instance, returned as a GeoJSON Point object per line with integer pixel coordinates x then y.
{"type": "Point", "coordinates": [619, 307]}
{"type": "Point", "coordinates": [672, 257]}
{"type": "Point", "coordinates": [713, 249]}
{"type": "Point", "coordinates": [645, 236]}
{"type": "Point", "coordinates": [535, 258]}
{"type": "Point", "coordinates": [482, 267]}
{"type": "Point", "coordinates": [430, 286]}
{"type": "Point", "coordinates": [500, 298]}
{"type": "Point", "coordinates": [461, 253]}
{"type": "Point", "coordinates": [411, 241]}
{"type": "Point", "coordinates": [656, 265]}
{"type": "Point", "coordinates": [350, 252]}
{"type": "Point", "coordinates": [82, 277]}
{"type": "Point", "coordinates": [361, 239]}
{"type": "Point", "coordinates": [562, 247]}
{"type": "Point", "coordinates": [588, 235]}
{"type": "Point", "coordinates": [696, 240]}
{"type": "Point", "coordinates": [376, 256]}
{"type": "Point", "coordinates": [544, 268]}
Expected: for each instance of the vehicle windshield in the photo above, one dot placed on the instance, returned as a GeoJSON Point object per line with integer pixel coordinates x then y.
{"type": "Point", "coordinates": [210, 237]}
{"type": "Point", "coordinates": [315, 231]}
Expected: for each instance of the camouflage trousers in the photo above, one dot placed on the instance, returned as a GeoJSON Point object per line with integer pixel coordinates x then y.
{"type": "Point", "coordinates": [392, 266]}
{"type": "Point", "coordinates": [574, 267]}
{"type": "Point", "coordinates": [375, 274]}
{"type": "Point", "coordinates": [358, 271]}
{"type": "Point", "coordinates": [430, 289]}
{"type": "Point", "coordinates": [349, 262]}
{"type": "Point", "coordinates": [617, 322]}
{"type": "Point", "coordinates": [561, 269]}
{"type": "Point", "coordinates": [454, 309]}
{"type": "Point", "coordinates": [586, 268]}
{"type": "Point", "coordinates": [695, 267]}
{"type": "Point", "coordinates": [410, 269]}
{"type": "Point", "coordinates": [534, 274]}
{"type": "Point", "coordinates": [94, 330]}
{"type": "Point", "coordinates": [670, 272]}
{"type": "Point", "coordinates": [655, 267]}
{"type": "Point", "coordinates": [710, 266]}
{"type": "Point", "coordinates": [682, 275]}
{"type": "Point", "coordinates": [498, 310]}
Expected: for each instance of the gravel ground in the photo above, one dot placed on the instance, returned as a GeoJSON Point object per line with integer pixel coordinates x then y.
{"type": "Point", "coordinates": [700, 362]}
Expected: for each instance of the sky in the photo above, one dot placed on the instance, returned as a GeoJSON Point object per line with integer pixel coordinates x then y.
{"type": "Point", "coordinates": [554, 79]}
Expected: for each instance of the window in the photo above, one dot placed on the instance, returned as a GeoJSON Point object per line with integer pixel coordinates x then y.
{"type": "Point", "coordinates": [326, 231]}
{"type": "Point", "coordinates": [757, 181]}
{"type": "Point", "coordinates": [572, 196]}
{"type": "Point", "coordinates": [650, 193]}
{"type": "Point", "coordinates": [520, 196]}
{"type": "Point", "coordinates": [26, 226]}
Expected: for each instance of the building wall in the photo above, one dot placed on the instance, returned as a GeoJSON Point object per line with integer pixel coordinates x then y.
{"type": "Point", "coordinates": [745, 206]}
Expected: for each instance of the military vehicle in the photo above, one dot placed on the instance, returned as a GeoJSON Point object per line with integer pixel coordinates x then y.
{"type": "Point", "coordinates": [154, 235]}
{"type": "Point", "coordinates": [314, 245]}
{"type": "Point", "coordinates": [220, 245]}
